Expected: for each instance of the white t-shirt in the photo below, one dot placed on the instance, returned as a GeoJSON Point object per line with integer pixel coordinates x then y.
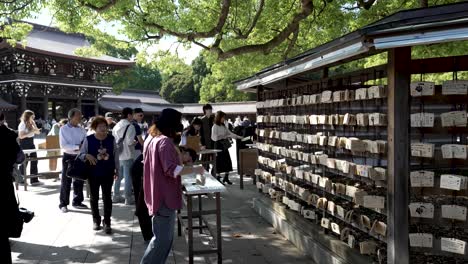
{"type": "Point", "coordinates": [22, 128]}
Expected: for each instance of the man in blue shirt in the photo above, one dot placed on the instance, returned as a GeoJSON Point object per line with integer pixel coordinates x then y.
{"type": "Point", "coordinates": [71, 137]}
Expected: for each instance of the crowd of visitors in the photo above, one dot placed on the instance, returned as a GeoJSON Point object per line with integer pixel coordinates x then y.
{"type": "Point", "coordinates": [151, 161]}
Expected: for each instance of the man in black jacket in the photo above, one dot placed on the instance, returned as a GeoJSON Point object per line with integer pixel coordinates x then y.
{"type": "Point", "coordinates": [8, 155]}
{"type": "Point", "coordinates": [205, 134]}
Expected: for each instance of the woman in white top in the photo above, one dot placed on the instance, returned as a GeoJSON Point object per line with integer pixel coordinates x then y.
{"type": "Point", "coordinates": [27, 129]}
{"type": "Point", "coordinates": [220, 136]}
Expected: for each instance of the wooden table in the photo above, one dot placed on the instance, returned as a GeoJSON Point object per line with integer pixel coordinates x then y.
{"type": "Point", "coordinates": [27, 152]}
{"type": "Point", "coordinates": [191, 189]}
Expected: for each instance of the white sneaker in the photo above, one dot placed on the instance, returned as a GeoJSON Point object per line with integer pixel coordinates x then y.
{"type": "Point", "coordinates": [118, 199]}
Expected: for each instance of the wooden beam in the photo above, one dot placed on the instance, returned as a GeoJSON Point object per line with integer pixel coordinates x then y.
{"type": "Point", "coordinates": [399, 77]}
{"type": "Point", "coordinates": [440, 65]}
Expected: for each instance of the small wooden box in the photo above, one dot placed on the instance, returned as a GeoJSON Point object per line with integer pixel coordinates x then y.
{"type": "Point", "coordinates": [248, 161]}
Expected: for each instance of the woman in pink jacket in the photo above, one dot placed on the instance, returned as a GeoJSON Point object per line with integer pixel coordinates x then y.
{"type": "Point", "coordinates": [162, 182]}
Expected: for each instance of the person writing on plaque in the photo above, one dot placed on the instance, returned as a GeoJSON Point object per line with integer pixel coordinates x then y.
{"type": "Point", "coordinates": [162, 183]}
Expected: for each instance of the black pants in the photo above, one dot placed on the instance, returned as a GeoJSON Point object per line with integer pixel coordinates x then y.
{"type": "Point", "coordinates": [144, 219]}
{"type": "Point", "coordinates": [104, 182]}
{"type": "Point", "coordinates": [5, 250]}
{"type": "Point", "coordinates": [66, 185]}
{"type": "Point", "coordinates": [28, 143]}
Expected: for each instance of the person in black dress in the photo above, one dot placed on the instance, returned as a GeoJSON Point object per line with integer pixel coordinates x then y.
{"type": "Point", "coordinates": [8, 157]}
{"type": "Point", "coordinates": [220, 135]}
{"type": "Point", "coordinates": [99, 150]}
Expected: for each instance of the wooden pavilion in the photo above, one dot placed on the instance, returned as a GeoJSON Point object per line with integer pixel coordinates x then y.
{"type": "Point", "coordinates": [46, 76]}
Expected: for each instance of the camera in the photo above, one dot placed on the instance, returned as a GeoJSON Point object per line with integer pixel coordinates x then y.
{"type": "Point", "coordinates": [26, 215]}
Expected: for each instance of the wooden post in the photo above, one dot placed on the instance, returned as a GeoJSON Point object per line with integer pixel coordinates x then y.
{"type": "Point", "coordinates": [78, 104]}
{"type": "Point", "coordinates": [399, 77]}
{"type": "Point", "coordinates": [24, 106]}
{"type": "Point", "coordinates": [54, 111]}
{"type": "Point", "coordinates": [96, 108]}
{"type": "Point", "coordinates": [45, 107]}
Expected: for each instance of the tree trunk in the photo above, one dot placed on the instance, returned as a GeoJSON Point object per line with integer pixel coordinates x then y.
{"type": "Point", "coordinates": [424, 3]}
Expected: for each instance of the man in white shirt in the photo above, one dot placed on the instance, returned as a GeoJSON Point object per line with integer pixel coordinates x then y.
{"type": "Point", "coordinates": [71, 137]}
{"type": "Point", "coordinates": [126, 131]}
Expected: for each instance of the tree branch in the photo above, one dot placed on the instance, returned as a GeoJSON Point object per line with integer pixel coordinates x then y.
{"type": "Point", "coordinates": [241, 35]}
{"type": "Point", "coordinates": [307, 7]}
{"type": "Point", "coordinates": [291, 44]}
{"type": "Point", "coordinates": [193, 35]}
{"type": "Point", "coordinates": [366, 4]}
{"type": "Point", "coordinates": [16, 9]}
{"type": "Point", "coordinates": [102, 8]}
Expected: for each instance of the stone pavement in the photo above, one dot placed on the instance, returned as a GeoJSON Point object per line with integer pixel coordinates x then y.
{"type": "Point", "coordinates": [54, 237]}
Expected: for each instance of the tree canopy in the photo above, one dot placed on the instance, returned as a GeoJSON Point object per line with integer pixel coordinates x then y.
{"type": "Point", "coordinates": [178, 88]}
{"type": "Point", "coordinates": [239, 38]}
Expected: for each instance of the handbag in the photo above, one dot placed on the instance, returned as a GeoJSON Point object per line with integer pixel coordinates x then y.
{"type": "Point", "coordinates": [20, 157]}
{"type": "Point", "coordinates": [18, 218]}
{"type": "Point", "coordinates": [77, 169]}
{"type": "Point", "coordinates": [225, 143]}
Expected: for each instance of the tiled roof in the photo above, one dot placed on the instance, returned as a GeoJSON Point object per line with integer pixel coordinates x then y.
{"type": "Point", "coordinates": [51, 41]}
{"type": "Point", "coordinates": [147, 97]}
{"type": "Point", "coordinates": [151, 102]}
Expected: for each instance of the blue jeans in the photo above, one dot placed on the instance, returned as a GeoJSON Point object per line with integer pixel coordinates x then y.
{"type": "Point", "coordinates": [124, 172]}
{"type": "Point", "coordinates": [161, 243]}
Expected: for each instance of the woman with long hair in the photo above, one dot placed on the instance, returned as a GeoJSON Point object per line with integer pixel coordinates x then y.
{"type": "Point", "coordinates": [99, 150]}
{"type": "Point", "coordinates": [27, 129]}
{"type": "Point", "coordinates": [163, 168]}
{"type": "Point", "coordinates": [192, 130]}
{"type": "Point", "coordinates": [220, 135]}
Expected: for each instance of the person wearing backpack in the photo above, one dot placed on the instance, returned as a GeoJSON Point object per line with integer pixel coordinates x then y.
{"type": "Point", "coordinates": [124, 134]}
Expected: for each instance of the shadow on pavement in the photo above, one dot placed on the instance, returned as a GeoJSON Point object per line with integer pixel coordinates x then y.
{"type": "Point", "coordinates": [35, 252]}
